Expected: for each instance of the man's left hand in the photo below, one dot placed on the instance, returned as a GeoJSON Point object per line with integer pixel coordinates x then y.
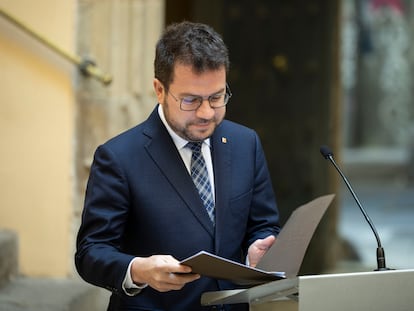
{"type": "Point", "coordinates": [258, 249]}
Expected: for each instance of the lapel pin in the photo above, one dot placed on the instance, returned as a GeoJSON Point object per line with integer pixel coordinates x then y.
{"type": "Point", "coordinates": [224, 140]}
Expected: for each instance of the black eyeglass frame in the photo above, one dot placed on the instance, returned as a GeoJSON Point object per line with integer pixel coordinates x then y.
{"type": "Point", "coordinates": [200, 99]}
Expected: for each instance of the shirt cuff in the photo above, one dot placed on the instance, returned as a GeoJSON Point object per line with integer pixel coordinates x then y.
{"type": "Point", "coordinates": [129, 287]}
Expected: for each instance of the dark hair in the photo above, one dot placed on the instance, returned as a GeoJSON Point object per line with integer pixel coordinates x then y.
{"type": "Point", "coordinates": [187, 43]}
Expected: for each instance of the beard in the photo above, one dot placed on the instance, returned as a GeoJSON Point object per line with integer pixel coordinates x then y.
{"type": "Point", "coordinates": [195, 129]}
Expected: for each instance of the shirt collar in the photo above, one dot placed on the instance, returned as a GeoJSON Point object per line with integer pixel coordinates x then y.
{"type": "Point", "coordinates": [178, 141]}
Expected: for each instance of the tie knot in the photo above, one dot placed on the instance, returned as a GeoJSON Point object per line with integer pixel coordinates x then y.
{"type": "Point", "coordinates": [195, 146]}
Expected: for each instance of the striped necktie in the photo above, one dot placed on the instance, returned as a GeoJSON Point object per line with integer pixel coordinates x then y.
{"type": "Point", "coordinates": [200, 178]}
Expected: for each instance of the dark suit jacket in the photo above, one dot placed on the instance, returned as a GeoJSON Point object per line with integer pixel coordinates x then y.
{"type": "Point", "coordinates": [141, 201]}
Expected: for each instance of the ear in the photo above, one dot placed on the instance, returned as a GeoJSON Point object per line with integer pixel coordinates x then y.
{"type": "Point", "coordinates": [159, 91]}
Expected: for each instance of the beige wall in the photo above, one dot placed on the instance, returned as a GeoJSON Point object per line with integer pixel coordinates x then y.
{"type": "Point", "coordinates": [51, 119]}
{"type": "Point", "coordinates": [36, 134]}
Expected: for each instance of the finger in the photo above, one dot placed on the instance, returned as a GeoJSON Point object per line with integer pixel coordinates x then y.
{"type": "Point", "coordinates": [165, 282]}
{"type": "Point", "coordinates": [174, 281]}
{"type": "Point", "coordinates": [186, 277]}
{"type": "Point", "coordinates": [183, 278]}
{"type": "Point", "coordinates": [181, 269]}
{"type": "Point", "coordinates": [269, 240]}
{"type": "Point", "coordinates": [266, 243]}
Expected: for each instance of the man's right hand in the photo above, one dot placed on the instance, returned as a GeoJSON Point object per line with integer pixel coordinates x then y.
{"type": "Point", "coordinates": [161, 272]}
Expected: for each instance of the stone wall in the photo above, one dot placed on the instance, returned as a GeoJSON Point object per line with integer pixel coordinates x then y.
{"type": "Point", "coordinates": [120, 36]}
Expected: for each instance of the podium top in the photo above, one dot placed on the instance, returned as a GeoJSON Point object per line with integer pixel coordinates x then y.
{"type": "Point", "coordinates": [374, 290]}
{"type": "Point", "coordinates": [268, 291]}
{"type": "Point", "coordinates": [368, 291]}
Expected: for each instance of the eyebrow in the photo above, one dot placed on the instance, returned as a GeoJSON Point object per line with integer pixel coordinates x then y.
{"type": "Point", "coordinates": [223, 90]}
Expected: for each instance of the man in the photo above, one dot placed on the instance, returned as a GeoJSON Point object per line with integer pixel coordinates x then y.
{"type": "Point", "coordinates": [144, 213]}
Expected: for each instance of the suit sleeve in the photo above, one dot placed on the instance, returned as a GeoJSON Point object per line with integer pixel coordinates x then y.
{"type": "Point", "coordinates": [99, 258]}
{"type": "Point", "coordinates": [264, 215]}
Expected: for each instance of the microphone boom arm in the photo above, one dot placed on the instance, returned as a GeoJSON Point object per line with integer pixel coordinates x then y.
{"type": "Point", "coordinates": [327, 154]}
{"type": "Point", "coordinates": [330, 158]}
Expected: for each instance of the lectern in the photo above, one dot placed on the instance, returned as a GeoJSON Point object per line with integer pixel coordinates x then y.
{"type": "Point", "coordinates": [365, 291]}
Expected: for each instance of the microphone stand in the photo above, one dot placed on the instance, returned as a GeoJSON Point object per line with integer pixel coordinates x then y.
{"type": "Point", "coordinates": [381, 266]}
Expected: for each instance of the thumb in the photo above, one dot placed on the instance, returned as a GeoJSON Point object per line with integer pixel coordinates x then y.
{"type": "Point", "coordinates": [266, 243]}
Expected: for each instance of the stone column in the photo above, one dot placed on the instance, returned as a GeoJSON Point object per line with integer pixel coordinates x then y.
{"type": "Point", "coordinates": [119, 36]}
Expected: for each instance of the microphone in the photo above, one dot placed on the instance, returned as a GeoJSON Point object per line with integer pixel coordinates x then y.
{"type": "Point", "coordinates": [328, 154]}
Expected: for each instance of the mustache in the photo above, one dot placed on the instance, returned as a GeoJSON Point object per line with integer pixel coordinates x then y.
{"type": "Point", "coordinates": [202, 121]}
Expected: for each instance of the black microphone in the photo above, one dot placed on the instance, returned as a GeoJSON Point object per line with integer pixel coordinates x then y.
{"type": "Point", "coordinates": [328, 154]}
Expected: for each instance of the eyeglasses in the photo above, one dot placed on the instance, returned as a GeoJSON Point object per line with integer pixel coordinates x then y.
{"type": "Point", "coordinates": [193, 102]}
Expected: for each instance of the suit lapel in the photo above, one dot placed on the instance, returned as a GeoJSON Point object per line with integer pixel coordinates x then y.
{"type": "Point", "coordinates": [222, 169]}
{"type": "Point", "coordinates": [162, 150]}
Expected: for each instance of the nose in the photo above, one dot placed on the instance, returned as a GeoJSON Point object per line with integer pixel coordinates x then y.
{"type": "Point", "coordinates": [205, 111]}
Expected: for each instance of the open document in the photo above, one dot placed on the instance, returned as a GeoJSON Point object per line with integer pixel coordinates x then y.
{"type": "Point", "coordinates": [282, 260]}
{"type": "Point", "coordinates": [217, 267]}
